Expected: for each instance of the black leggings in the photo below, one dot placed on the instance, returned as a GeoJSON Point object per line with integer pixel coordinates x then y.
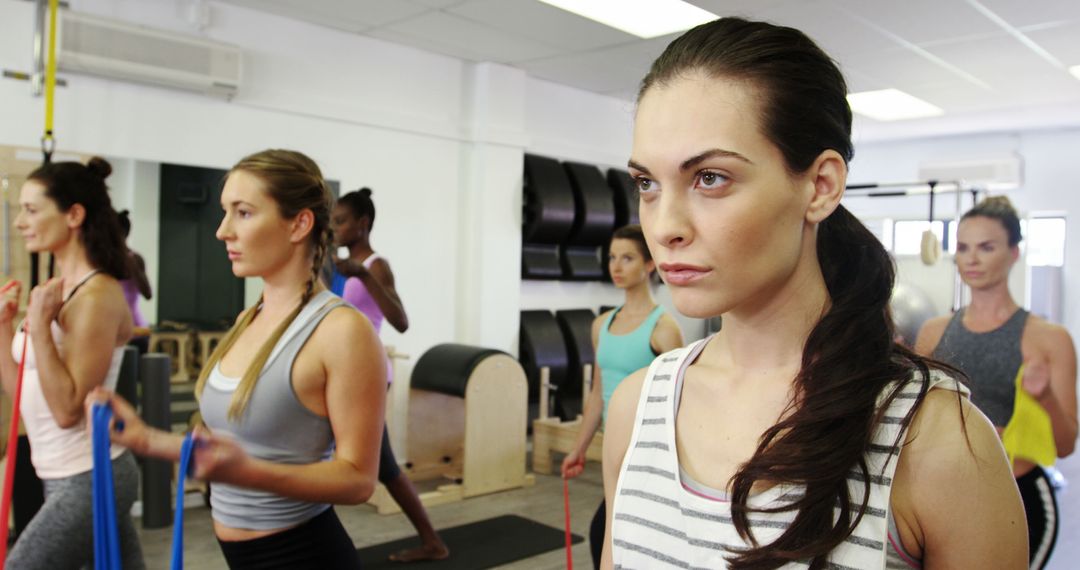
{"type": "Point", "coordinates": [320, 543]}
{"type": "Point", "coordinates": [388, 467]}
{"type": "Point", "coordinates": [1040, 506]}
{"type": "Point", "coordinates": [596, 534]}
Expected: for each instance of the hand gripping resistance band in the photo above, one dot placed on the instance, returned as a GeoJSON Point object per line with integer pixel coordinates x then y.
{"type": "Point", "coordinates": [12, 445]}
{"type": "Point", "coordinates": [106, 536]}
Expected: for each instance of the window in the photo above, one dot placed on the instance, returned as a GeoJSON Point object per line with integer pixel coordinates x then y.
{"type": "Point", "coordinates": [907, 235]}
{"type": "Point", "coordinates": [1045, 239]}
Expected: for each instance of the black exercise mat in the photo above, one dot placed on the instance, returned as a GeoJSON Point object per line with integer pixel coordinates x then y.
{"type": "Point", "coordinates": [483, 544]}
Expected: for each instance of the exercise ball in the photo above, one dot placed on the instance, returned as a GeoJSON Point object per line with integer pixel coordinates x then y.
{"type": "Point", "coordinates": [911, 307]}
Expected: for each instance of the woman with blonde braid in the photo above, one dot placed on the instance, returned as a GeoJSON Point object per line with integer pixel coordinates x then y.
{"type": "Point", "coordinates": [294, 424]}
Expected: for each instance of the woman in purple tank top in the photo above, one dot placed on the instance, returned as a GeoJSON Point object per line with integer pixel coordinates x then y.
{"type": "Point", "coordinates": [370, 288]}
{"type": "Point", "coordinates": [135, 285]}
{"type": "Point", "coordinates": [370, 284]}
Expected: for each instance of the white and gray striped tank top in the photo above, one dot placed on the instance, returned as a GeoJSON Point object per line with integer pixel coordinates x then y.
{"type": "Point", "coordinates": [659, 521]}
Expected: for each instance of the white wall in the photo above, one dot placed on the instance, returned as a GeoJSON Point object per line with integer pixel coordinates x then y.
{"type": "Point", "coordinates": [439, 140]}
{"type": "Point", "coordinates": [134, 186]}
{"type": "Point", "coordinates": [1049, 185]}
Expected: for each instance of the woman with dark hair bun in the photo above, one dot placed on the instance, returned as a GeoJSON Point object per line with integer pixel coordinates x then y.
{"type": "Point", "coordinates": [77, 325]}
{"type": "Point", "coordinates": [991, 339]}
{"type": "Point", "coordinates": [800, 434]}
{"type": "Point", "coordinates": [367, 283]}
{"type": "Point", "coordinates": [135, 285]}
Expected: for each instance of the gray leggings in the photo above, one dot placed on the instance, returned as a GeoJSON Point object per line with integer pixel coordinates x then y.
{"type": "Point", "coordinates": [61, 534]}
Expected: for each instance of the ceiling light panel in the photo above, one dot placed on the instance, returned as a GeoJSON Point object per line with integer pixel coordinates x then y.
{"type": "Point", "coordinates": [642, 18]}
{"type": "Point", "coordinates": [891, 105]}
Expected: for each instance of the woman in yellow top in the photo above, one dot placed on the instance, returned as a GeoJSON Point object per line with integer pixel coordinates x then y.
{"type": "Point", "coordinates": [991, 338]}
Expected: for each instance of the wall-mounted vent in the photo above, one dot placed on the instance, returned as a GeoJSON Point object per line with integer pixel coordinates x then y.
{"type": "Point", "coordinates": [994, 174]}
{"type": "Point", "coordinates": [120, 50]}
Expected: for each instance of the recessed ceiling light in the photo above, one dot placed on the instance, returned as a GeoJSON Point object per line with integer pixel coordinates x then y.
{"type": "Point", "coordinates": [643, 18]}
{"type": "Point", "coordinates": [891, 105]}
{"type": "Point", "coordinates": [1075, 70]}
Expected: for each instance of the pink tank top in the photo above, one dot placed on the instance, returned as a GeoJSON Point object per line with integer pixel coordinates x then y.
{"type": "Point", "coordinates": [57, 452]}
{"type": "Point", "coordinates": [131, 295]}
{"type": "Point", "coordinates": [357, 295]}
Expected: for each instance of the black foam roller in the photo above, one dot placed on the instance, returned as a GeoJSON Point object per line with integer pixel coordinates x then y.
{"type": "Point", "coordinates": [445, 368]}
{"type": "Point", "coordinates": [154, 372]}
{"type": "Point", "coordinates": [541, 261]}
{"type": "Point", "coordinates": [594, 205]}
{"type": "Point", "coordinates": [576, 325]}
{"type": "Point", "coordinates": [625, 197]}
{"type": "Point", "coordinates": [127, 381]}
{"type": "Point", "coordinates": [548, 207]}
{"type": "Point", "coordinates": [541, 344]}
{"type": "Point", "coordinates": [582, 263]}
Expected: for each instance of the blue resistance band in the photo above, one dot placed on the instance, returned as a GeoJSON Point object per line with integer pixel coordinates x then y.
{"type": "Point", "coordinates": [178, 516]}
{"type": "Point", "coordinates": [106, 536]}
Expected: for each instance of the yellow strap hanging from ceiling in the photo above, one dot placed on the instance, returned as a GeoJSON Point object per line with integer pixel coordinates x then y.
{"type": "Point", "coordinates": [48, 143]}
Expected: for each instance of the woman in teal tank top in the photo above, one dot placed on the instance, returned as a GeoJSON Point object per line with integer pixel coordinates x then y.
{"type": "Point", "coordinates": [625, 339]}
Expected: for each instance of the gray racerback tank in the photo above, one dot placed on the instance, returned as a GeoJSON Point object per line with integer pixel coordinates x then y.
{"type": "Point", "coordinates": [990, 360]}
{"type": "Point", "coordinates": [275, 427]}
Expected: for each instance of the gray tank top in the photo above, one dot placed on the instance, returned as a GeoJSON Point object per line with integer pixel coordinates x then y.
{"type": "Point", "coordinates": [990, 360]}
{"type": "Point", "coordinates": [274, 427]}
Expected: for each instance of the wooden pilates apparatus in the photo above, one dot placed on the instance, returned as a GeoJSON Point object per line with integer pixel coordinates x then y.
{"type": "Point", "coordinates": [467, 420]}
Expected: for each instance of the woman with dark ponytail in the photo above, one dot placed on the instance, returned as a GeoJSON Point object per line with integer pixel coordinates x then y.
{"type": "Point", "coordinates": [293, 422]}
{"type": "Point", "coordinates": [801, 433]}
{"type": "Point", "coordinates": [137, 284]}
{"type": "Point", "coordinates": [77, 325]}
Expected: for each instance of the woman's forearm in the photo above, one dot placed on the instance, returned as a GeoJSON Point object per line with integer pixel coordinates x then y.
{"type": "Point", "coordinates": [1064, 425]}
{"type": "Point", "coordinates": [160, 444]}
{"type": "Point", "coordinates": [388, 303]}
{"type": "Point", "coordinates": [9, 369]}
{"type": "Point", "coordinates": [57, 385]}
{"type": "Point", "coordinates": [590, 422]}
{"type": "Point", "coordinates": [336, 481]}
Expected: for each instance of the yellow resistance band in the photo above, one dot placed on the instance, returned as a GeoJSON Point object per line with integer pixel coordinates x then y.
{"type": "Point", "coordinates": [47, 142]}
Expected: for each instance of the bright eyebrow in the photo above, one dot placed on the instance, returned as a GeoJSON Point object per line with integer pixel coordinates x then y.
{"type": "Point", "coordinates": [698, 159]}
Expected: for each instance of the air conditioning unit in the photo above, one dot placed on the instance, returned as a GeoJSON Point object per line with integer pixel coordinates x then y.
{"type": "Point", "coordinates": [993, 174]}
{"type": "Point", "coordinates": [120, 50]}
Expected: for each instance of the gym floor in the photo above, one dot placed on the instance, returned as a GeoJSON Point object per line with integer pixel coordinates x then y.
{"type": "Point", "coordinates": [542, 503]}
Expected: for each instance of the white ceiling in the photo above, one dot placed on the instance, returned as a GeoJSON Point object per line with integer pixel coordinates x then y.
{"type": "Point", "coordinates": [988, 63]}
